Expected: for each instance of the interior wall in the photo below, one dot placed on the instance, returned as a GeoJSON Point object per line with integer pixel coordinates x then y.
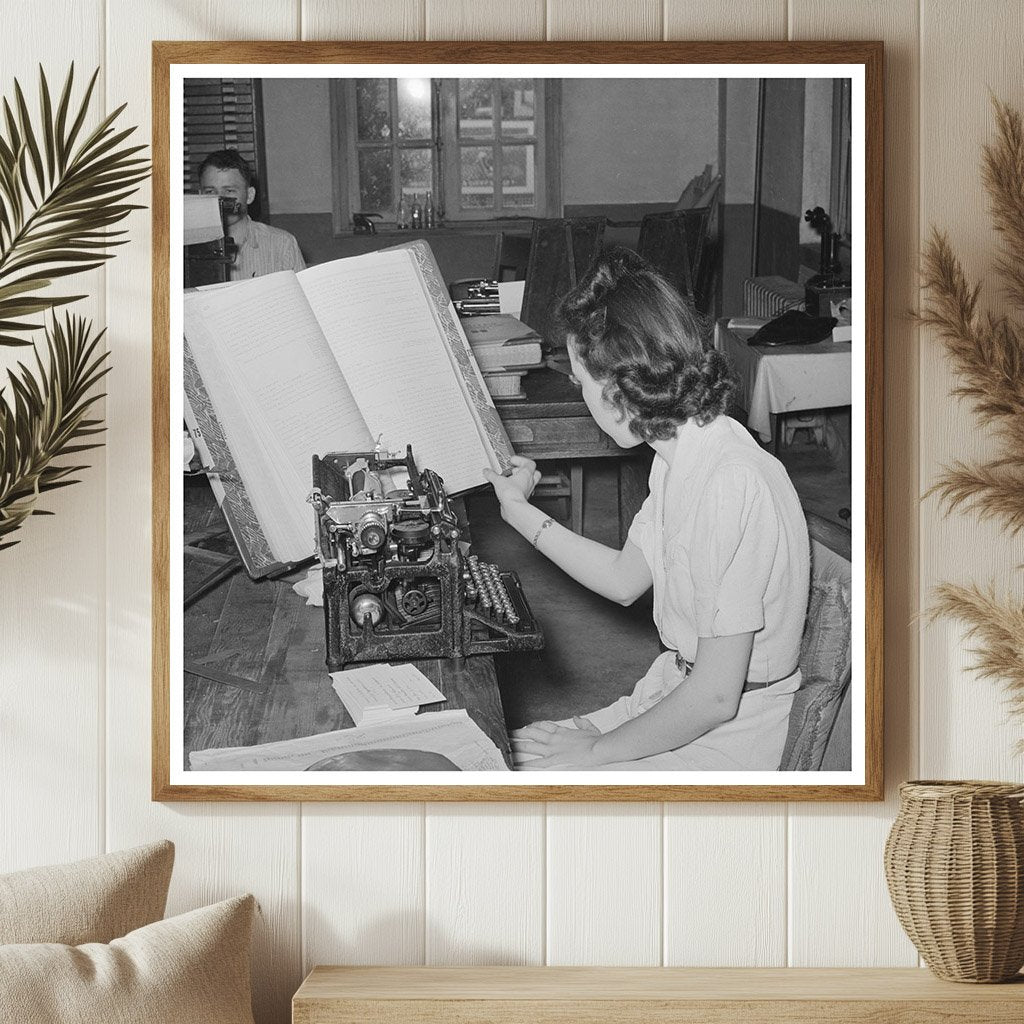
{"type": "Point", "coordinates": [297, 117]}
{"type": "Point", "coordinates": [632, 141]}
{"type": "Point", "coordinates": [650, 160]}
{"type": "Point", "coordinates": [733, 884]}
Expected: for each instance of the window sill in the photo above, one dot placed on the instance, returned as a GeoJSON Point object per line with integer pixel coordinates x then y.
{"type": "Point", "coordinates": [521, 225]}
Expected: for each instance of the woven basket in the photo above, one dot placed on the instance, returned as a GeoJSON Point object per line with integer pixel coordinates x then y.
{"type": "Point", "coordinates": [954, 861]}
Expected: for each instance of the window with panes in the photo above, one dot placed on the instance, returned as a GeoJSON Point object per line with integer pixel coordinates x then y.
{"type": "Point", "coordinates": [479, 146]}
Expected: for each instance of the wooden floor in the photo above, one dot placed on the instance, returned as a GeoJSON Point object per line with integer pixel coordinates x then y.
{"type": "Point", "coordinates": [255, 655]}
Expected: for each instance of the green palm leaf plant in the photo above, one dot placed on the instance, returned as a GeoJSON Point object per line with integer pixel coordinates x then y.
{"type": "Point", "coordinates": [63, 190]}
{"type": "Point", "coordinates": [46, 418]}
{"type": "Point", "coordinates": [61, 193]}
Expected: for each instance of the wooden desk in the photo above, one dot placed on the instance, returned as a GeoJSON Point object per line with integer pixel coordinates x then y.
{"type": "Point", "coordinates": [659, 995]}
{"type": "Point", "coordinates": [266, 651]}
{"type": "Point", "coordinates": [554, 423]}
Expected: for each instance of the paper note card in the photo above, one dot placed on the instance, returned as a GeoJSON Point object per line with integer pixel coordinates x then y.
{"type": "Point", "coordinates": [379, 692]}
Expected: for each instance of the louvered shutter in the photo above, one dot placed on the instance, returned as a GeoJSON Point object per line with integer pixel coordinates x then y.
{"type": "Point", "coordinates": [224, 113]}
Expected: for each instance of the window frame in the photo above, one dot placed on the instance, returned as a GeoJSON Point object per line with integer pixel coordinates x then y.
{"type": "Point", "coordinates": [446, 158]}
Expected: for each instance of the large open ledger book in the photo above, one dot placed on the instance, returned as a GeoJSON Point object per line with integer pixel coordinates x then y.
{"type": "Point", "coordinates": [334, 358]}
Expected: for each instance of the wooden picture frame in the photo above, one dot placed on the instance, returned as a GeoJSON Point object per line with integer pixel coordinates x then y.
{"type": "Point", "coordinates": [862, 64]}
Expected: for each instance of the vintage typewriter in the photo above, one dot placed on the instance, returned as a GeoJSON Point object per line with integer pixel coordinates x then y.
{"type": "Point", "coordinates": [398, 582]}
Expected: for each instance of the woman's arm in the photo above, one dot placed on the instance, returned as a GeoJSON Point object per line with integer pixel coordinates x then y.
{"type": "Point", "coordinates": [708, 697]}
{"type": "Point", "coordinates": [621, 576]}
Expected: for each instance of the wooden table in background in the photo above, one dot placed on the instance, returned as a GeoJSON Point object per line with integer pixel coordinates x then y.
{"type": "Point", "coordinates": [265, 649]}
{"type": "Point", "coordinates": [554, 423]}
{"type": "Point", "coordinates": [653, 995]}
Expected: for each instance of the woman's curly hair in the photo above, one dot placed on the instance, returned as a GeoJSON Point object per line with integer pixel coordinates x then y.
{"type": "Point", "coordinates": [638, 338]}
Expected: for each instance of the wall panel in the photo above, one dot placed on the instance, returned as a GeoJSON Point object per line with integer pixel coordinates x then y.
{"type": "Point", "coordinates": [485, 19]}
{"type": "Point", "coordinates": [605, 884]}
{"type": "Point", "coordinates": [727, 19]}
{"type": "Point", "coordinates": [384, 19]}
{"type": "Point", "coordinates": [574, 19]}
{"type": "Point", "coordinates": [222, 849]}
{"type": "Point", "coordinates": [51, 594]}
{"type": "Point", "coordinates": [725, 885]}
{"type": "Point", "coordinates": [965, 731]}
{"type": "Point", "coordinates": [835, 852]}
{"type": "Point", "coordinates": [362, 884]}
{"type": "Point", "coordinates": [485, 883]}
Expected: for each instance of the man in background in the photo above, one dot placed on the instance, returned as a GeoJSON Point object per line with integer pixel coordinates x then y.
{"type": "Point", "coordinates": [261, 248]}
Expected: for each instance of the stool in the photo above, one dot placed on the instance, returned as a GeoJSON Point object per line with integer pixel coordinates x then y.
{"type": "Point", "coordinates": [813, 421]}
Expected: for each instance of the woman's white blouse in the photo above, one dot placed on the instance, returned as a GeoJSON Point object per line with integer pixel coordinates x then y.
{"type": "Point", "coordinates": [726, 540]}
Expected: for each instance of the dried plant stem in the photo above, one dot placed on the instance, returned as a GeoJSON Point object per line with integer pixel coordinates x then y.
{"type": "Point", "coordinates": [995, 626]}
{"type": "Point", "coordinates": [987, 354]}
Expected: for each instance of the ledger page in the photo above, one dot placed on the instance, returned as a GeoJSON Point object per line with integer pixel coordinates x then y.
{"type": "Point", "coordinates": [379, 323]}
{"type": "Point", "coordinates": [279, 393]}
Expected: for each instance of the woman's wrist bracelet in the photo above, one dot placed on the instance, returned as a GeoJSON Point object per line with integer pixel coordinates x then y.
{"type": "Point", "coordinates": [540, 529]}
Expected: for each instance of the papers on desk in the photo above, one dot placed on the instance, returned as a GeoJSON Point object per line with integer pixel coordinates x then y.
{"type": "Point", "coordinates": [746, 324]}
{"type": "Point", "coordinates": [452, 734]}
{"type": "Point", "coordinates": [510, 297]}
{"type": "Point", "coordinates": [380, 692]}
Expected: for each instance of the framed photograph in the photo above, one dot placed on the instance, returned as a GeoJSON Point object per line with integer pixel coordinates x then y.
{"type": "Point", "coordinates": [517, 421]}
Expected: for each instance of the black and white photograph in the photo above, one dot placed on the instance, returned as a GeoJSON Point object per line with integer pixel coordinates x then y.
{"type": "Point", "coordinates": [519, 429]}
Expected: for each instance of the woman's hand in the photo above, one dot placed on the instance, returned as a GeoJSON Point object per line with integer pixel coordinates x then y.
{"type": "Point", "coordinates": [544, 746]}
{"type": "Point", "coordinates": [518, 485]}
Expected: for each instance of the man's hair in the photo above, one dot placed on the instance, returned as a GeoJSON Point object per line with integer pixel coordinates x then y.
{"type": "Point", "coordinates": [648, 348]}
{"type": "Point", "coordinates": [229, 160]}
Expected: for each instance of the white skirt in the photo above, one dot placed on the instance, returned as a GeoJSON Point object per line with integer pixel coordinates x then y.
{"type": "Point", "coordinates": [752, 741]}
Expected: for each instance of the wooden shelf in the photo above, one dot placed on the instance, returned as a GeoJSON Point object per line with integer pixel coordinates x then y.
{"type": "Point", "coordinates": [628, 995]}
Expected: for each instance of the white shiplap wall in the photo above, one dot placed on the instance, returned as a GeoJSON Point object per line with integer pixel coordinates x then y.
{"type": "Point", "coordinates": [507, 883]}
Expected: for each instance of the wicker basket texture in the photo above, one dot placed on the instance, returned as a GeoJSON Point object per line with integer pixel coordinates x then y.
{"type": "Point", "coordinates": [954, 862]}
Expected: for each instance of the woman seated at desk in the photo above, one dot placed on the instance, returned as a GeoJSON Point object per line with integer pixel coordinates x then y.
{"type": "Point", "coordinates": [722, 538]}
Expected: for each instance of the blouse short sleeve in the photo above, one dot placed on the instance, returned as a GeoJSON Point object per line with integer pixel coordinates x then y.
{"type": "Point", "coordinates": [733, 549]}
{"type": "Point", "coordinates": [641, 530]}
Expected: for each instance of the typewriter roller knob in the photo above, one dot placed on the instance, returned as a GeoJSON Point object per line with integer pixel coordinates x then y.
{"type": "Point", "coordinates": [373, 531]}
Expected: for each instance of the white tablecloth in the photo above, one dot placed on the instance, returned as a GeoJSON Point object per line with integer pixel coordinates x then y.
{"type": "Point", "coordinates": [787, 378]}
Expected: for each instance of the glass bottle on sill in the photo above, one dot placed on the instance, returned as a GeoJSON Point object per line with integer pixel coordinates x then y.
{"type": "Point", "coordinates": [401, 218]}
{"type": "Point", "coordinates": [428, 212]}
{"type": "Point", "coordinates": [416, 213]}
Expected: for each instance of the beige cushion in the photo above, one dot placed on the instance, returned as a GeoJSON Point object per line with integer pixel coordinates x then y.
{"type": "Point", "coordinates": [92, 900]}
{"type": "Point", "coordinates": [190, 969]}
